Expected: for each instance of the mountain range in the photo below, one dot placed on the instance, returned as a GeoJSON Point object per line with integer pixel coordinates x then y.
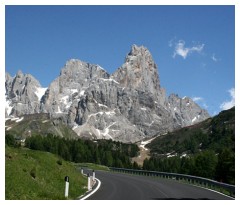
{"type": "Point", "coordinates": [127, 105]}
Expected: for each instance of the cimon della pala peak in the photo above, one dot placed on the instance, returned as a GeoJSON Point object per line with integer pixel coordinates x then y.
{"type": "Point", "coordinates": [127, 106]}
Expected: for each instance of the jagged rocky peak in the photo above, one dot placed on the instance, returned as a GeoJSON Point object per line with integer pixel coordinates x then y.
{"type": "Point", "coordinates": [23, 94]}
{"type": "Point", "coordinates": [78, 70]}
{"type": "Point", "coordinates": [139, 50]}
{"type": "Point", "coordinates": [77, 74]}
{"type": "Point", "coordinates": [74, 79]}
{"type": "Point", "coordinates": [22, 84]}
{"type": "Point", "coordinates": [140, 72]}
{"type": "Point", "coordinates": [185, 111]}
{"type": "Point", "coordinates": [8, 76]}
{"type": "Point", "coordinates": [8, 83]}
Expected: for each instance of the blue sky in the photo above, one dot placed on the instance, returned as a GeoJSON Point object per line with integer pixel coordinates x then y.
{"type": "Point", "coordinates": [193, 46]}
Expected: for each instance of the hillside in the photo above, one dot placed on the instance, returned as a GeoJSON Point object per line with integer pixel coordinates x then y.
{"type": "Point", "coordinates": [37, 124]}
{"type": "Point", "coordinates": [214, 133]}
{"type": "Point", "coordinates": [31, 174]}
{"type": "Point", "coordinates": [206, 149]}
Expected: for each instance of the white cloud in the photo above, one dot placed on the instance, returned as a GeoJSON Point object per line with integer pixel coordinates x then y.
{"type": "Point", "coordinates": [196, 99]}
{"type": "Point", "coordinates": [183, 51]}
{"type": "Point", "coordinates": [171, 42]}
{"type": "Point", "coordinates": [214, 58]}
{"type": "Point", "coordinates": [229, 104]}
{"type": "Point", "coordinates": [200, 101]}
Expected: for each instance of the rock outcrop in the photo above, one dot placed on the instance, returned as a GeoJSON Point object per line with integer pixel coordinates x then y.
{"type": "Point", "coordinates": [74, 79]}
{"type": "Point", "coordinates": [140, 72]}
{"type": "Point", "coordinates": [23, 94]}
{"type": "Point", "coordinates": [127, 106]}
{"type": "Point", "coordinates": [185, 111]}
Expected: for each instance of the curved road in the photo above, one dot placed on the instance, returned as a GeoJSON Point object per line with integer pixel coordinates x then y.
{"type": "Point", "coordinates": [116, 186]}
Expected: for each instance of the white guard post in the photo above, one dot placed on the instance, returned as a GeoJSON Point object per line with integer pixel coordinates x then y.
{"type": "Point", "coordinates": [66, 186]}
{"type": "Point", "coordinates": [93, 174]}
{"type": "Point", "coordinates": [89, 182]}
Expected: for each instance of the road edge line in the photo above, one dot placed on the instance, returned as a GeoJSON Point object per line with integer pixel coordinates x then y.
{"type": "Point", "coordinates": [213, 191]}
{"type": "Point", "coordinates": [92, 192]}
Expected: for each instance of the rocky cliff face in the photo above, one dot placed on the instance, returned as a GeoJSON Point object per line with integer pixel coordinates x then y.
{"type": "Point", "coordinates": [74, 79]}
{"type": "Point", "coordinates": [140, 72]}
{"type": "Point", "coordinates": [22, 94]}
{"type": "Point", "coordinates": [128, 105]}
{"type": "Point", "coordinates": [185, 111]}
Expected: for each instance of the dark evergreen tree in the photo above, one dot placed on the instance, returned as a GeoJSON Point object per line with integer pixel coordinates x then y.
{"type": "Point", "coordinates": [9, 140]}
{"type": "Point", "coordinates": [225, 170]}
{"type": "Point", "coordinates": [205, 164]}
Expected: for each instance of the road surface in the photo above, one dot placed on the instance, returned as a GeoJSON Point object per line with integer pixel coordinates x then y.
{"type": "Point", "coordinates": [116, 186]}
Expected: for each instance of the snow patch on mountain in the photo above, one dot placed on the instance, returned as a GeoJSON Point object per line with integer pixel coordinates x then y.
{"type": "Point", "coordinates": [194, 119]}
{"type": "Point", "coordinates": [59, 111]}
{"type": "Point", "coordinates": [144, 143]}
{"type": "Point", "coordinates": [110, 80]}
{"type": "Point", "coordinates": [40, 92]}
{"type": "Point", "coordinates": [8, 106]}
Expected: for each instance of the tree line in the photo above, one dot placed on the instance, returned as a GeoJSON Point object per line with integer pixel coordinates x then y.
{"type": "Point", "coordinates": [103, 152]}
{"type": "Point", "coordinates": [207, 164]}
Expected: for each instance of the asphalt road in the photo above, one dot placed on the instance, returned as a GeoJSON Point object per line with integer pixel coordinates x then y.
{"type": "Point", "coordinates": [118, 186]}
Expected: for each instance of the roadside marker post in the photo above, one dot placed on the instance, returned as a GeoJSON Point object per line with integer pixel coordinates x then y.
{"type": "Point", "coordinates": [89, 182]}
{"type": "Point", "coordinates": [81, 170]}
{"type": "Point", "coordinates": [66, 186]}
{"type": "Point", "coordinates": [93, 175]}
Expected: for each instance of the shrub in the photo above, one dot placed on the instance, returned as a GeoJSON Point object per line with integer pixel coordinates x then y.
{"type": "Point", "coordinates": [33, 172]}
{"type": "Point", "coordinates": [59, 162]}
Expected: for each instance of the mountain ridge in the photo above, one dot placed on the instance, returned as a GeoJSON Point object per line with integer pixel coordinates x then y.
{"type": "Point", "coordinates": [127, 106]}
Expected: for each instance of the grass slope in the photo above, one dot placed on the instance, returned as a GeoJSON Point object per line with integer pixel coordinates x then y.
{"type": "Point", "coordinates": [31, 174]}
{"type": "Point", "coordinates": [214, 133]}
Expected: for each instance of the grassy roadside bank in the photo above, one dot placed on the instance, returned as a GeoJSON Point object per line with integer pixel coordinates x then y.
{"type": "Point", "coordinates": [31, 174]}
